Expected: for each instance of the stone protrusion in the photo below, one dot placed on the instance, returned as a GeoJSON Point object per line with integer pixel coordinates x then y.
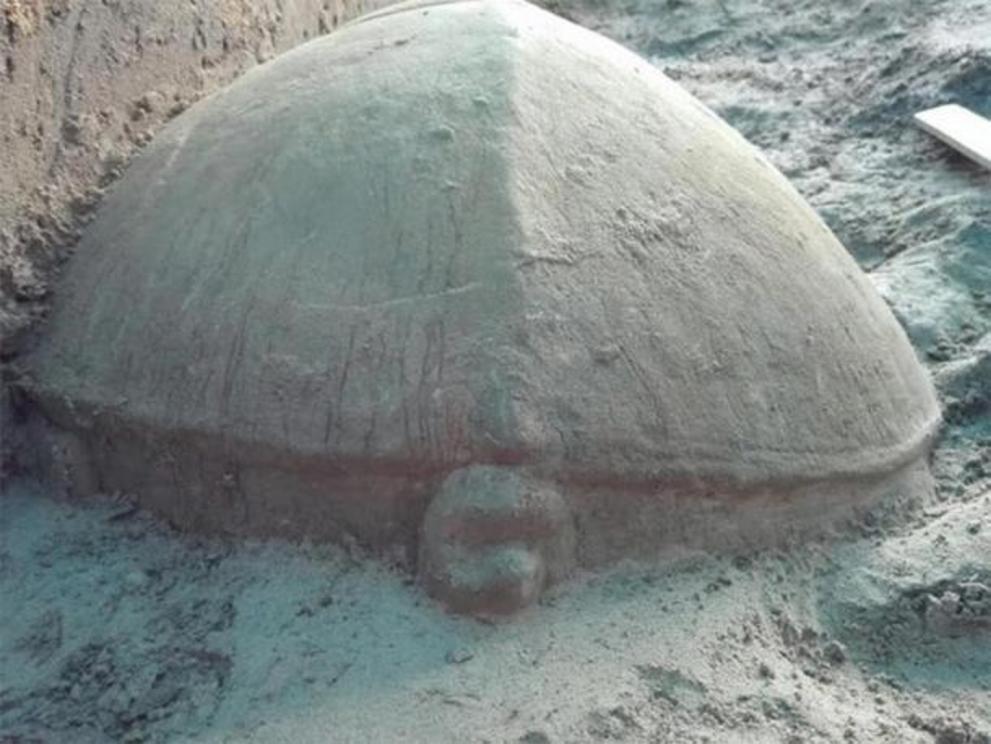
{"type": "Point", "coordinates": [493, 539]}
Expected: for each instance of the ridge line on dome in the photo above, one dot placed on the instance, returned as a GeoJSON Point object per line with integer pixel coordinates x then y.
{"type": "Point", "coordinates": [892, 458]}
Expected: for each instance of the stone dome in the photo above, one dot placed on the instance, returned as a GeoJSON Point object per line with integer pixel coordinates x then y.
{"type": "Point", "coordinates": [465, 281]}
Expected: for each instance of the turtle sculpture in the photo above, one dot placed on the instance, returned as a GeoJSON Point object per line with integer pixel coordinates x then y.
{"type": "Point", "coordinates": [486, 293]}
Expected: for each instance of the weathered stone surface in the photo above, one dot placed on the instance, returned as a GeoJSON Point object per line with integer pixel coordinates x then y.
{"type": "Point", "coordinates": [471, 234]}
{"type": "Point", "coordinates": [493, 540]}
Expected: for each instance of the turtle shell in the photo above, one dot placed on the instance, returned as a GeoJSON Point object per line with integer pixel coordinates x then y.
{"type": "Point", "coordinates": [472, 232]}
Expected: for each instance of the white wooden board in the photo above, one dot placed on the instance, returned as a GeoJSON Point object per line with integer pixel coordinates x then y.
{"type": "Point", "coordinates": [961, 129]}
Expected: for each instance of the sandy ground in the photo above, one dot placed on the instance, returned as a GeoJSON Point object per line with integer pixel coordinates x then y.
{"type": "Point", "coordinates": [117, 629]}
